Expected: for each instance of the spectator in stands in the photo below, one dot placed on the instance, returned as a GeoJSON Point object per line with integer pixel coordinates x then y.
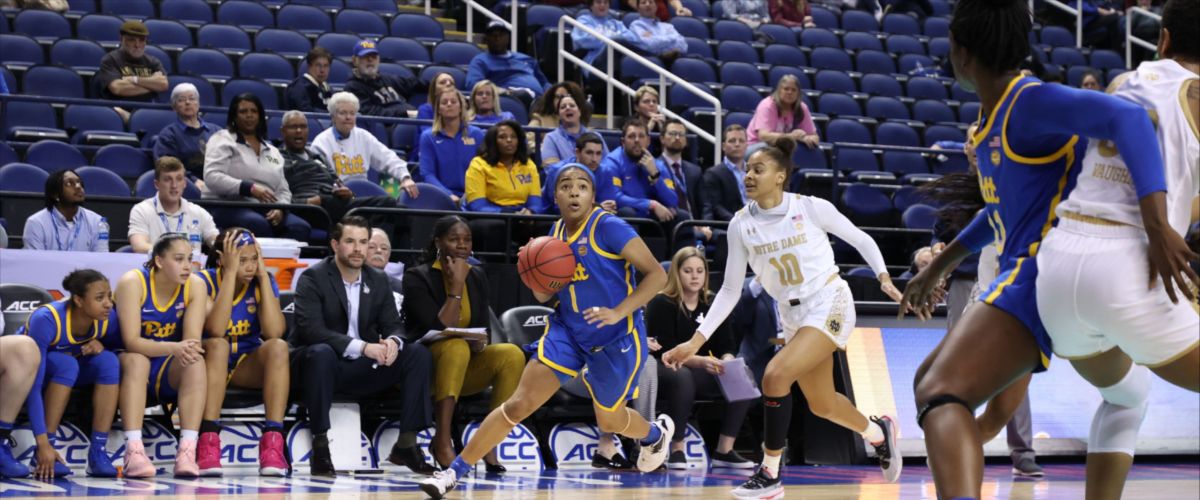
{"type": "Point", "coordinates": [65, 225]}
{"type": "Point", "coordinates": [485, 105]}
{"type": "Point", "coordinates": [791, 13]}
{"type": "Point", "coordinates": [379, 94]}
{"type": "Point", "coordinates": [1091, 81]}
{"type": "Point", "coordinates": [545, 107]}
{"type": "Point", "coordinates": [310, 92]}
{"type": "Point", "coordinates": [59, 6]}
{"type": "Point", "coordinates": [660, 8]}
{"type": "Point", "coordinates": [445, 292]}
{"type": "Point", "coordinates": [186, 137]}
{"type": "Point", "coordinates": [656, 37]}
{"type": "Point", "coordinates": [351, 341]}
{"type": "Point", "coordinates": [1103, 26]}
{"type": "Point", "coordinates": [311, 180]}
{"type": "Point", "coordinates": [241, 164]}
{"type": "Point", "coordinates": [643, 190]}
{"type": "Point", "coordinates": [128, 73]}
{"type": "Point", "coordinates": [18, 369]}
{"type": "Point", "coordinates": [560, 143]}
{"type": "Point", "coordinates": [783, 113]}
{"type": "Point", "coordinates": [599, 17]}
{"type": "Point", "coordinates": [503, 178]}
{"type": "Point", "coordinates": [724, 183]}
{"type": "Point", "coordinates": [351, 151]}
{"type": "Point", "coordinates": [921, 259]}
{"type": "Point", "coordinates": [379, 255]}
{"type": "Point", "coordinates": [673, 315]}
{"type": "Point", "coordinates": [646, 101]}
{"type": "Point", "coordinates": [448, 147]}
{"type": "Point", "coordinates": [441, 81]}
{"type": "Point", "coordinates": [589, 151]}
{"type": "Point", "coordinates": [167, 211]}
{"type": "Point", "coordinates": [687, 175]}
{"type": "Point", "coordinates": [515, 73]}
{"type": "Point", "coordinates": [751, 12]}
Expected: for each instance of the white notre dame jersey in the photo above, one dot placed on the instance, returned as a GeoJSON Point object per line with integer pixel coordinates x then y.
{"type": "Point", "coordinates": [1104, 188]}
{"type": "Point", "coordinates": [791, 255]}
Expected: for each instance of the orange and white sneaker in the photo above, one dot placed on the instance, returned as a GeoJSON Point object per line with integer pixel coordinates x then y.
{"type": "Point", "coordinates": [137, 465]}
{"type": "Point", "coordinates": [185, 460]}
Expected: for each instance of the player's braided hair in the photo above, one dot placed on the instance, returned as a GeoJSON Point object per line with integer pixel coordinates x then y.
{"type": "Point", "coordinates": [996, 32]}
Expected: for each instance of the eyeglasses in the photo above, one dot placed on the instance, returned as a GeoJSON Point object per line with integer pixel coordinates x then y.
{"type": "Point", "coordinates": [674, 134]}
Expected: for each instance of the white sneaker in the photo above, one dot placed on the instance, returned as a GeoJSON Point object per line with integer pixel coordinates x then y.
{"type": "Point", "coordinates": [887, 451]}
{"type": "Point", "coordinates": [441, 483]}
{"type": "Point", "coordinates": [760, 486]}
{"type": "Point", "coordinates": [653, 455]}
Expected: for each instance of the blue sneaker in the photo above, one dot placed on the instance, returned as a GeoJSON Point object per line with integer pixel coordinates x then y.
{"type": "Point", "coordinates": [60, 469]}
{"type": "Point", "coordinates": [9, 466]}
{"type": "Point", "coordinates": [99, 463]}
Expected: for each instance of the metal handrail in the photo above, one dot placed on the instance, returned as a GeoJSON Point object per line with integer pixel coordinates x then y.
{"type": "Point", "coordinates": [1076, 11]}
{"type": "Point", "coordinates": [663, 75]}
{"type": "Point", "coordinates": [510, 24]}
{"type": "Point", "coordinates": [1130, 39]}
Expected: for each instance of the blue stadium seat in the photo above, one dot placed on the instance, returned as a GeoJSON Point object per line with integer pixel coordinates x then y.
{"type": "Point", "coordinates": [169, 34]}
{"type": "Point", "coordinates": [286, 43]}
{"type": "Point", "coordinates": [819, 37]}
{"type": "Point", "coordinates": [382, 7]}
{"type": "Point", "coordinates": [100, 28]}
{"type": "Point", "coordinates": [7, 154]}
{"type": "Point", "coordinates": [42, 25]}
{"type": "Point", "coordinates": [270, 68]}
{"type": "Point", "coordinates": [861, 272]}
{"type": "Point", "coordinates": [1106, 59]}
{"type": "Point", "coordinates": [102, 182]}
{"type": "Point", "coordinates": [937, 26]}
{"type": "Point", "coordinates": [431, 198]}
{"type": "Point", "coordinates": [843, 130]}
{"type": "Point", "coordinates": [31, 121]}
{"type": "Point", "coordinates": [162, 56]}
{"type": "Point", "coordinates": [888, 108]}
{"type": "Point", "coordinates": [741, 73]}
{"type": "Point", "coordinates": [968, 112]}
{"type": "Point", "coordinates": [1067, 56]}
{"type": "Point", "coordinates": [732, 50]}
{"type": "Point", "coordinates": [896, 134]}
{"type": "Point", "coordinates": [304, 19]}
{"type": "Point", "coordinates": [806, 157]}
{"type": "Point", "coordinates": [874, 61]}
{"type": "Point", "coordinates": [208, 95]}
{"type": "Point", "coordinates": [920, 87]}
{"type": "Point", "coordinates": [824, 18]}
{"type": "Point", "coordinates": [20, 50]}
{"type": "Point", "coordinates": [939, 47]}
{"type": "Point", "coordinates": [455, 52]}
{"type": "Point", "coordinates": [902, 162]}
{"type": "Point", "coordinates": [81, 7]}
{"type": "Point", "coordinates": [830, 58]}
{"type": "Point", "coordinates": [933, 111]}
{"type": "Point", "coordinates": [542, 16]}
{"type": "Point", "coordinates": [941, 8]}
{"type": "Point", "coordinates": [693, 70]}
{"type": "Point", "coordinates": [128, 9]}
{"type": "Point", "coordinates": [263, 90]}
{"type": "Point", "coordinates": [1112, 74]}
{"type": "Point", "coordinates": [23, 178]}
{"type": "Point", "coordinates": [828, 80]}
{"type": "Point", "coordinates": [404, 137]}
{"type": "Point", "coordinates": [935, 133]}
{"type": "Point", "coordinates": [52, 81]}
{"type": "Point", "coordinates": [904, 44]}
{"type": "Point", "coordinates": [123, 160]}
{"type": "Point", "coordinates": [726, 29]}
{"type": "Point", "coordinates": [690, 26]}
{"type": "Point", "coordinates": [907, 196]}
{"type": "Point", "coordinates": [363, 187]}
{"type": "Point", "coordinates": [788, 55]}
{"type": "Point", "coordinates": [364, 23]}
{"type": "Point", "coordinates": [699, 8]}
{"type": "Point", "coordinates": [324, 5]}
{"type": "Point", "coordinates": [957, 93]}
{"type": "Point", "coordinates": [429, 72]}
{"type": "Point", "coordinates": [683, 102]}
{"type": "Point", "coordinates": [516, 107]}
{"type": "Point", "coordinates": [225, 38]}
{"type": "Point", "coordinates": [857, 40]}
{"type": "Point", "coordinates": [403, 50]}
{"type": "Point", "coordinates": [247, 15]}
{"type": "Point", "coordinates": [340, 44]}
{"type": "Point", "coordinates": [53, 156]}
{"type": "Point", "coordinates": [881, 85]}
{"type": "Point", "coordinates": [777, 72]}
{"type": "Point", "coordinates": [699, 48]}
{"type": "Point", "coordinates": [782, 35]}
{"type": "Point", "coordinates": [96, 125]}
{"type": "Point", "coordinates": [208, 63]}
{"type": "Point", "coordinates": [739, 117]}
{"type": "Point", "coordinates": [630, 69]}
{"type": "Point", "coordinates": [901, 24]}
{"type": "Point", "coordinates": [740, 98]}
{"type": "Point", "coordinates": [144, 188]}
{"type": "Point", "coordinates": [866, 205]}
{"type": "Point", "coordinates": [149, 122]}
{"type": "Point", "coordinates": [916, 64]}
{"type": "Point", "coordinates": [189, 12]}
{"type": "Point", "coordinates": [838, 105]}
{"type": "Point", "coordinates": [417, 26]}
{"type": "Point", "coordinates": [398, 70]}
{"type": "Point", "coordinates": [1057, 36]}
{"type": "Point", "coordinates": [872, 176]}
{"type": "Point", "coordinates": [80, 55]}
{"type": "Point", "coordinates": [859, 20]}
{"type": "Point", "coordinates": [919, 216]}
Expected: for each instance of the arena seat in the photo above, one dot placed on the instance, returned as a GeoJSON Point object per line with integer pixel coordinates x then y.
{"type": "Point", "coordinates": [881, 85]}
{"type": "Point", "coordinates": [404, 51]}
{"type": "Point", "coordinates": [123, 160]}
{"type": "Point", "coordinates": [228, 39]}
{"type": "Point", "coordinates": [858, 40]}
{"type": "Point", "coordinates": [932, 111]}
{"type": "Point", "coordinates": [919, 216]}
{"type": "Point", "coordinates": [32, 121]}
{"type": "Point", "coordinates": [169, 34]}
{"type": "Point", "coordinates": [271, 68]}
{"type": "Point", "coordinates": [20, 300]}
{"type": "Point", "coordinates": [788, 55]}
{"type": "Point", "coordinates": [736, 50]}
{"type": "Point", "coordinates": [100, 28]}
{"type": "Point", "coordinates": [726, 29]}
{"type": "Point", "coordinates": [193, 13]}
{"type": "Point", "coordinates": [23, 178]}
{"type": "Point", "coordinates": [365, 24]}
{"type": "Point", "coordinates": [53, 156]}
{"type": "Point", "coordinates": [901, 24]}
{"type": "Point", "coordinates": [455, 53]}
{"type": "Point", "coordinates": [286, 43]}
{"type": "Point", "coordinates": [97, 125]}
{"type": "Point", "coordinates": [41, 25]}
{"type": "Point", "coordinates": [208, 63]}
{"type": "Point", "coordinates": [741, 73]}
{"type": "Point", "coordinates": [888, 108]}
{"type": "Point", "coordinates": [740, 98]}
{"type": "Point", "coordinates": [102, 182]}
{"type": "Point", "coordinates": [52, 81]}
{"type": "Point", "coordinates": [128, 9]}
{"type": "Point", "coordinates": [903, 162]}
{"type": "Point", "coordinates": [303, 19]}
{"type": "Point", "coordinates": [830, 80]}
{"type": "Point", "coordinates": [418, 26]}
{"type": "Point", "coordinates": [247, 15]}
{"type": "Point", "coordinates": [867, 206]}
{"type": "Point", "coordinates": [819, 37]}
{"type": "Point", "coordinates": [431, 198]}
{"type": "Point", "coordinates": [780, 34]}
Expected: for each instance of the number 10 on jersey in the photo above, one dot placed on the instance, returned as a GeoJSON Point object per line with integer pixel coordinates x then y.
{"type": "Point", "coordinates": [788, 267]}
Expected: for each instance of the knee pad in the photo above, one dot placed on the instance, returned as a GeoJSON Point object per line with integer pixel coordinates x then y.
{"type": "Point", "coordinates": [1117, 420]}
{"type": "Point", "coordinates": [108, 369]}
{"type": "Point", "coordinates": [939, 401]}
{"type": "Point", "coordinates": [61, 369]}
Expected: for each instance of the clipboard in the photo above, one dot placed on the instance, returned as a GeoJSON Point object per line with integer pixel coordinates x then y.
{"type": "Point", "coordinates": [737, 381]}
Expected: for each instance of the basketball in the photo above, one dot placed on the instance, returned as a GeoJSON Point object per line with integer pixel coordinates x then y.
{"type": "Point", "coordinates": [546, 264]}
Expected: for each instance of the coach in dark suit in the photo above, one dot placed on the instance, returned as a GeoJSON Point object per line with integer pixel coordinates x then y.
{"type": "Point", "coordinates": [722, 182]}
{"type": "Point", "coordinates": [350, 341]}
{"type": "Point", "coordinates": [687, 175]}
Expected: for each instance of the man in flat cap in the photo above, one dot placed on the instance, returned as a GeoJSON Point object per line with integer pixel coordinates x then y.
{"type": "Point", "coordinates": [128, 73]}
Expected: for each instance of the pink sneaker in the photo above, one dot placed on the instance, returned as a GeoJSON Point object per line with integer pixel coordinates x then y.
{"type": "Point", "coordinates": [185, 460]}
{"type": "Point", "coordinates": [270, 455]}
{"type": "Point", "coordinates": [137, 465]}
{"type": "Point", "coordinates": [208, 454]}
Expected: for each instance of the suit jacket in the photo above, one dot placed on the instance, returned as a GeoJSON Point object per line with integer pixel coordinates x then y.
{"type": "Point", "coordinates": [425, 293]}
{"type": "Point", "coordinates": [322, 307]}
{"type": "Point", "coordinates": [693, 184]}
{"type": "Point", "coordinates": [721, 192]}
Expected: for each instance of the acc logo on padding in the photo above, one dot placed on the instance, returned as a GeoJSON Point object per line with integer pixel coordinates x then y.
{"type": "Point", "coordinates": [518, 451]}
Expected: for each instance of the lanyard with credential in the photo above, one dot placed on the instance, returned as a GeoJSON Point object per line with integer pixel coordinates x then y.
{"type": "Point", "coordinates": [57, 240]}
{"type": "Point", "coordinates": [163, 218]}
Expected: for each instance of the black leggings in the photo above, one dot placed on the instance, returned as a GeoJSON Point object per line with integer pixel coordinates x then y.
{"type": "Point", "coordinates": [679, 390]}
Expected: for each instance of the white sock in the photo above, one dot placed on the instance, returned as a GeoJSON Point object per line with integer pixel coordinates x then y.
{"type": "Point", "coordinates": [771, 464]}
{"type": "Point", "coordinates": [873, 434]}
{"type": "Point", "coordinates": [133, 436]}
{"type": "Point", "coordinates": [186, 435]}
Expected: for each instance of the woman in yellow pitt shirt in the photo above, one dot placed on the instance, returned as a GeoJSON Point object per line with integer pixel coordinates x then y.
{"type": "Point", "coordinates": [502, 179]}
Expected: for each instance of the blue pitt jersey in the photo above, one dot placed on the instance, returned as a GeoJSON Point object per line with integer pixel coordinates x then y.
{"type": "Point", "coordinates": [50, 325]}
{"type": "Point", "coordinates": [244, 331]}
{"type": "Point", "coordinates": [602, 277]}
{"type": "Point", "coordinates": [162, 323]}
{"type": "Point", "coordinates": [1021, 191]}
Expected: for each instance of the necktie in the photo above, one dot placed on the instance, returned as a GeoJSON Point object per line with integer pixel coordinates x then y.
{"type": "Point", "coordinates": [680, 189]}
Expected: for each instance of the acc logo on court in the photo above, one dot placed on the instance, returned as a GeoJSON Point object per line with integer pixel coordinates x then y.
{"type": "Point", "coordinates": [574, 443]}
{"type": "Point", "coordinates": [518, 451]}
{"type": "Point", "coordinates": [693, 447]}
{"type": "Point", "coordinates": [239, 444]}
{"type": "Point", "coordinates": [70, 442]}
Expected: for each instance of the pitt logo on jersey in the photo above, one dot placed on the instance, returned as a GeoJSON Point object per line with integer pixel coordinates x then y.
{"type": "Point", "coordinates": [238, 329]}
{"type": "Point", "coordinates": [987, 187]}
{"type": "Point", "coordinates": [347, 166]}
{"type": "Point", "coordinates": [580, 273]}
{"type": "Point", "coordinates": [154, 329]}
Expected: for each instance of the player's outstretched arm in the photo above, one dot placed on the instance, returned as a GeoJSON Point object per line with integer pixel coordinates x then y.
{"type": "Point", "coordinates": [920, 294]}
{"type": "Point", "coordinates": [726, 299]}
